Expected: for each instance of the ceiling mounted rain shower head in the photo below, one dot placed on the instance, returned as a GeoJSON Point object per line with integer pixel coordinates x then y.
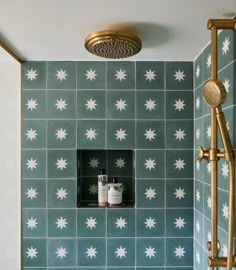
{"type": "Point", "coordinates": [113, 44]}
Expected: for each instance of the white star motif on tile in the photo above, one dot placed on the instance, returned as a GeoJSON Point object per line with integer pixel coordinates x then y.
{"type": "Point", "coordinates": [150, 75]}
{"type": "Point", "coordinates": [120, 104]}
{"type": "Point", "coordinates": [31, 164]}
{"type": "Point", "coordinates": [225, 45]}
{"type": "Point", "coordinates": [209, 236]}
{"type": "Point", "coordinates": [198, 195]}
{"type": "Point", "coordinates": [179, 164]}
{"type": "Point", "coordinates": [120, 162]}
{"type": "Point", "coordinates": [179, 75]}
{"type": "Point", "coordinates": [226, 85]}
{"type": "Point", "coordinates": [32, 193]}
{"type": "Point", "coordinates": [198, 165]}
{"type": "Point", "coordinates": [31, 134]}
{"type": "Point", "coordinates": [150, 193]}
{"type": "Point", "coordinates": [225, 169]}
{"type": "Point", "coordinates": [120, 75]}
{"type": "Point", "coordinates": [61, 193]}
{"type": "Point", "coordinates": [150, 252]}
{"type": "Point", "coordinates": [121, 252]}
{"type": "Point", "coordinates": [61, 223]}
{"type": "Point", "coordinates": [31, 74]}
{"type": "Point", "coordinates": [91, 134]}
{"type": "Point", "coordinates": [61, 164]}
{"type": "Point", "coordinates": [91, 223]}
{"type": "Point", "coordinates": [61, 104]}
{"type": "Point", "coordinates": [225, 210]}
{"type": "Point", "coordinates": [179, 193]}
{"type": "Point", "coordinates": [179, 222]}
{"type": "Point", "coordinates": [208, 132]}
{"type": "Point", "coordinates": [150, 104]}
{"type": "Point", "coordinates": [179, 134]}
{"type": "Point", "coordinates": [198, 226]}
{"type": "Point", "coordinates": [61, 252]}
{"type": "Point", "coordinates": [179, 104]}
{"type": "Point", "coordinates": [197, 103]}
{"type": "Point", "coordinates": [150, 223]}
{"type": "Point", "coordinates": [150, 134]}
{"type": "Point", "coordinates": [179, 252]}
{"type": "Point", "coordinates": [93, 189]}
{"type": "Point", "coordinates": [61, 75]}
{"type": "Point", "coordinates": [224, 250]}
{"type": "Point", "coordinates": [197, 71]}
{"type": "Point", "coordinates": [91, 252]}
{"type": "Point", "coordinates": [93, 162]}
{"type": "Point", "coordinates": [61, 134]}
{"type": "Point", "coordinates": [208, 167]}
{"type": "Point", "coordinates": [91, 104]}
{"type": "Point", "coordinates": [150, 164]}
{"type": "Point", "coordinates": [91, 74]}
{"type": "Point", "coordinates": [120, 223]}
{"type": "Point", "coordinates": [121, 134]}
{"type": "Point", "coordinates": [209, 202]}
{"type": "Point", "coordinates": [227, 125]}
{"type": "Point", "coordinates": [197, 133]}
{"type": "Point", "coordinates": [31, 104]}
{"type": "Point", "coordinates": [198, 257]}
{"type": "Point", "coordinates": [209, 61]}
{"type": "Point", "coordinates": [31, 223]}
{"type": "Point", "coordinates": [31, 252]}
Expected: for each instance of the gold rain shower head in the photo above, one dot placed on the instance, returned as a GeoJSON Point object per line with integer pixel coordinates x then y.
{"type": "Point", "coordinates": [113, 44]}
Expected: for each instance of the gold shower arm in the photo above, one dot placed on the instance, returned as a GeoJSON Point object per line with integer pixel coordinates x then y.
{"type": "Point", "coordinates": [222, 24]}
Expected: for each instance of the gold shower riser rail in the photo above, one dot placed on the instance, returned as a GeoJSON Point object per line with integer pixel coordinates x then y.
{"type": "Point", "coordinates": [220, 262]}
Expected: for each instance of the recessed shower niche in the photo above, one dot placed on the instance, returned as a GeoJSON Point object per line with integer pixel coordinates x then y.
{"type": "Point", "coordinates": [117, 163]}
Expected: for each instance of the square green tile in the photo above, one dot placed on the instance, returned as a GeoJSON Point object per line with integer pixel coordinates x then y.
{"type": "Point", "coordinates": [207, 130]}
{"type": "Point", "coordinates": [61, 133]}
{"type": "Point", "coordinates": [179, 164]}
{"type": "Point", "coordinates": [179, 134]}
{"type": "Point", "coordinates": [198, 133]}
{"type": "Point", "coordinates": [34, 252]}
{"type": "Point", "coordinates": [61, 223]}
{"type": "Point", "coordinates": [180, 252]}
{"type": "Point", "coordinates": [179, 75]}
{"type": "Point", "coordinates": [198, 226]}
{"type": "Point", "coordinates": [207, 62]}
{"type": "Point", "coordinates": [34, 222]}
{"type": "Point", "coordinates": [198, 70]}
{"type": "Point", "coordinates": [120, 222]}
{"type": "Point", "coordinates": [150, 104]}
{"type": "Point", "coordinates": [61, 75]}
{"type": "Point", "coordinates": [62, 193]}
{"type": "Point", "coordinates": [90, 104]}
{"type": "Point", "coordinates": [88, 190]}
{"type": "Point", "coordinates": [120, 134]}
{"type": "Point", "coordinates": [91, 222]}
{"type": "Point", "coordinates": [198, 196]}
{"type": "Point", "coordinates": [179, 193]}
{"type": "Point", "coordinates": [149, 164]}
{"type": "Point", "coordinates": [61, 163]}
{"type": "Point", "coordinates": [199, 261]}
{"type": "Point", "coordinates": [120, 252]}
{"type": "Point", "coordinates": [150, 193]}
{"type": "Point", "coordinates": [120, 104]}
{"type": "Point", "coordinates": [34, 163]}
{"type": "Point", "coordinates": [206, 229]}
{"type": "Point", "coordinates": [199, 104]}
{"type": "Point", "coordinates": [33, 104]}
{"type": "Point", "coordinates": [150, 223]}
{"type": "Point", "coordinates": [150, 135]}
{"type": "Point", "coordinates": [34, 75]}
{"type": "Point", "coordinates": [179, 222]}
{"type": "Point", "coordinates": [150, 75]}
{"type": "Point", "coordinates": [179, 105]}
{"type": "Point", "coordinates": [207, 200]}
{"type": "Point", "coordinates": [150, 252]}
{"type": "Point", "coordinates": [90, 75]}
{"type": "Point", "coordinates": [61, 104]}
{"type": "Point", "coordinates": [91, 252]}
{"type": "Point", "coordinates": [120, 75]}
{"type": "Point", "coordinates": [62, 252]}
{"type": "Point", "coordinates": [198, 167]}
{"type": "Point", "coordinates": [90, 134]}
{"type": "Point", "coordinates": [120, 163]}
{"type": "Point", "coordinates": [33, 193]}
{"type": "Point", "coordinates": [33, 134]}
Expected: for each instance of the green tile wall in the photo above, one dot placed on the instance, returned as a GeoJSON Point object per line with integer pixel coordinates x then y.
{"type": "Point", "coordinates": [146, 107]}
{"type": "Point", "coordinates": [226, 55]}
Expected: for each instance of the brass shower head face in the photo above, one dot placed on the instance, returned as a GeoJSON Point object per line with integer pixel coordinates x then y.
{"type": "Point", "coordinates": [214, 93]}
{"type": "Point", "coordinates": [113, 44]}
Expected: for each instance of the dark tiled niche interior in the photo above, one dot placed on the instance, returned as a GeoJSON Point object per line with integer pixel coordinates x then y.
{"type": "Point", "coordinates": [117, 163]}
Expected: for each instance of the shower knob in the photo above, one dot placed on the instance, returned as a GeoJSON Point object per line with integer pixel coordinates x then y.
{"type": "Point", "coordinates": [203, 154]}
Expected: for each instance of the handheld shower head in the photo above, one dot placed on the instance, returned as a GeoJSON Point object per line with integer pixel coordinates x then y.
{"type": "Point", "coordinates": [214, 93]}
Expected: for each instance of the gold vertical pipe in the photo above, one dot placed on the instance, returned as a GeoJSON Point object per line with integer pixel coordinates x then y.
{"type": "Point", "coordinates": [213, 53]}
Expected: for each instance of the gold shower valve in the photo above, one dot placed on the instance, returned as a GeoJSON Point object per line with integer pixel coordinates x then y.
{"type": "Point", "coordinates": [203, 154]}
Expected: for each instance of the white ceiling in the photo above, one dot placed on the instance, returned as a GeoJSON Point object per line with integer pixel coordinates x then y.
{"type": "Point", "coordinates": [56, 29]}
